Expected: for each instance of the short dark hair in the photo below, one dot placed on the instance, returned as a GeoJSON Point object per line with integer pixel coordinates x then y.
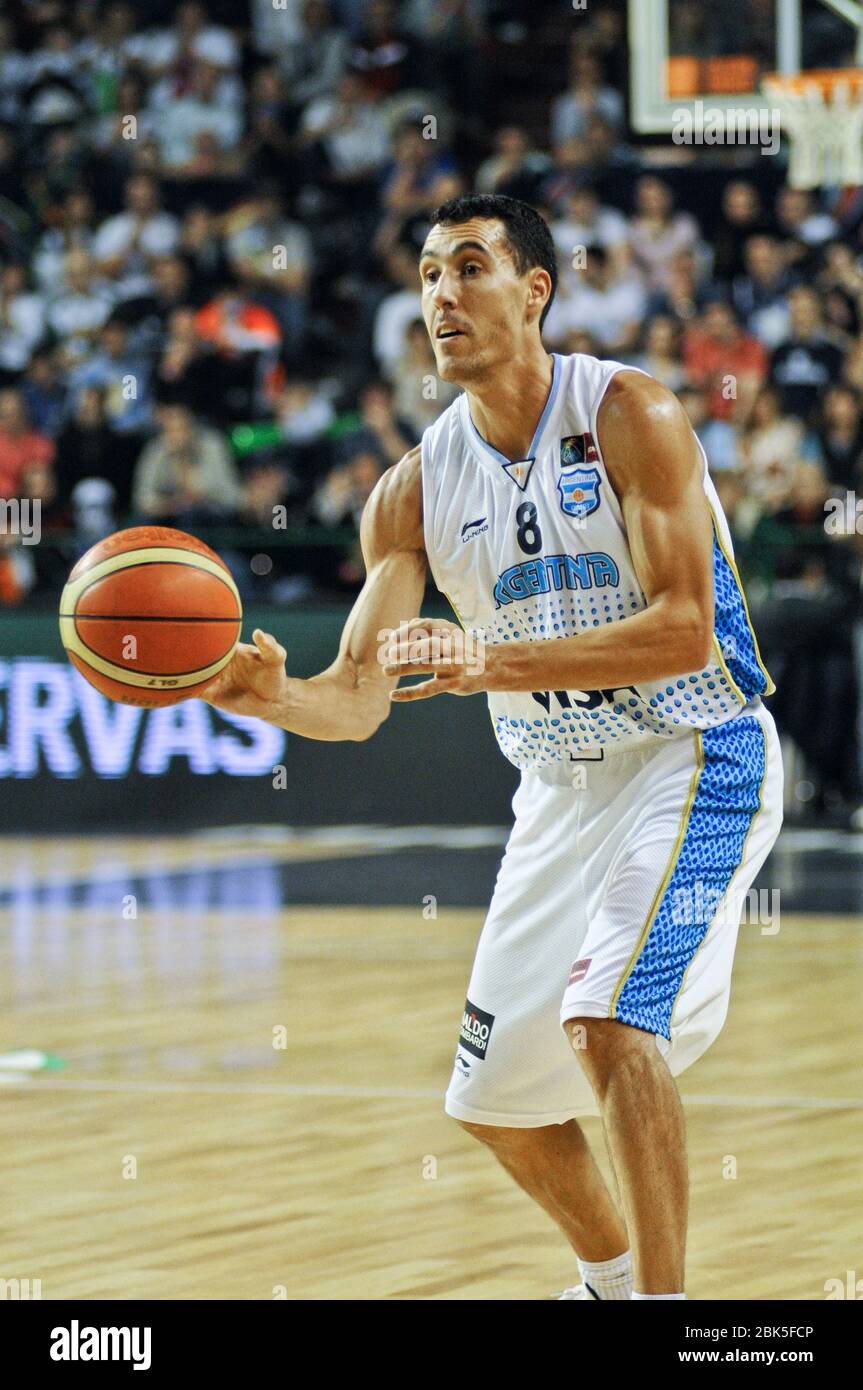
{"type": "Point", "coordinates": [526, 231]}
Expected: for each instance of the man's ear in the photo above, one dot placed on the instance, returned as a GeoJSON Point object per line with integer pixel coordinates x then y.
{"type": "Point", "coordinates": [540, 291]}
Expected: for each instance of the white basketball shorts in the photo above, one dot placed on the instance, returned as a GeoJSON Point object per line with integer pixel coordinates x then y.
{"type": "Point", "coordinates": [619, 896]}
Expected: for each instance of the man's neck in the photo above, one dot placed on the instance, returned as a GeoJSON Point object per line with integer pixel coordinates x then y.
{"type": "Point", "coordinates": [507, 408]}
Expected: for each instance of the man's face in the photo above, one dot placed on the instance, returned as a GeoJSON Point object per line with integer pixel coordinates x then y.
{"type": "Point", "coordinates": [11, 411]}
{"type": "Point", "coordinates": [761, 257]}
{"type": "Point", "coordinates": [114, 339]}
{"type": "Point", "coordinates": [470, 284]}
{"type": "Point", "coordinates": [140, 197]}
{"type": "Point", "coordinates": [805, 312]}
{"type": "Point", "coordinates": [719, 322]}
{"type": "Point", "coordinates": [177, 426]}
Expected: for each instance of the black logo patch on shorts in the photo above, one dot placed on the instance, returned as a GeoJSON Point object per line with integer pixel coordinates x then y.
{"type": "Point", "coordinates": [476, 1026]}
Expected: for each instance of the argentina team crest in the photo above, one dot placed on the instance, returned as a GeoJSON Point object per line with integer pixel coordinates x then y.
{"type": "Point", "coordinates": [577, 484]}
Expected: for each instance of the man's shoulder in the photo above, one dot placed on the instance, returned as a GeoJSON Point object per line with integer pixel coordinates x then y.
{"type": "Point", "coordinates": [393, 516]}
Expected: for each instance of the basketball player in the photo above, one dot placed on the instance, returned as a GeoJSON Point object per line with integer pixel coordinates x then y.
{"type": "Point", "coordinates": [565, 508]}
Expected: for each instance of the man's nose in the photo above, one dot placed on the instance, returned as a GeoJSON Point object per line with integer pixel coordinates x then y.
{"type": "Point", "coordinates": [444, 291]}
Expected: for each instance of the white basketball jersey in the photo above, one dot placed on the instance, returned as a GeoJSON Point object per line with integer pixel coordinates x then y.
{"type": "Point", "coordinates": [537, 549]}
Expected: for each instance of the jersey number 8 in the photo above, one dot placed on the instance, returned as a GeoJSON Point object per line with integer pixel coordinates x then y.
{"type": "Point", "coordinates": [528, 532]}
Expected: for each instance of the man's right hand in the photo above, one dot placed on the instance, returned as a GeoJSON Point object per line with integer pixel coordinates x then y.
{"type": "Point", "coordinates": [254, 681]}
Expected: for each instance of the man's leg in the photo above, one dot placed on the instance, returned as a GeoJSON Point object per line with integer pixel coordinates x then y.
{"type": "Point", "coordinates": [646, 1136]}
{"type": "Point", "coordinates": [554, 1165]}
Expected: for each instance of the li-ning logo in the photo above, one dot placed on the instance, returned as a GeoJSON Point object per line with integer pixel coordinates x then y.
{"type": "Point", "coordinates": [476, 1026]}
{"type": "Point", "coordinates": [76, 1343]}
{"type": "Point", "coordinates": [472, 529]}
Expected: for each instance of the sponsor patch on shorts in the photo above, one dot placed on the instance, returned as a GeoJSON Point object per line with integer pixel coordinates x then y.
{"type": "Point", "coordinates": [476, 1026]}
{"type": "Point", "coordinates": [579, 970]}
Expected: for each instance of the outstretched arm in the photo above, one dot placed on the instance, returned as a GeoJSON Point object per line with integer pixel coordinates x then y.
{"type": "Point", "coordinates": [350, 699]}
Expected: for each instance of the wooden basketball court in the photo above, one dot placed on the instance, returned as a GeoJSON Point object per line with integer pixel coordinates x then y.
{"type": "Point", "coordinates": [250, 1102]}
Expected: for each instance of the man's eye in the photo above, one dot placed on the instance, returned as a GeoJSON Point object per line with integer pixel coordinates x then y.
{"type": "Point", "coordinates": [471, 265]}
{"type": "Point", "coordinates": [428, 275]}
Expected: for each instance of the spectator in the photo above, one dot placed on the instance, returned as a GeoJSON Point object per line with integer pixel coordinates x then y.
{"type": "Point", "coordinates": [246, 339]}
{"type": "Point", "coordinates": [152, 314]}
{"type": "Point", "coordinates": [684, 294]}
{"type": "Point", "coordinates": [798, 220]}
{"type": "Point", "coordinates": [760, 292]}
{"type": "Point", "coordinates": [662, 354]}
{"type": "Point", "coordinates": [73, 231]}
{"type": "Point", "coordinates": [22, 320]}
{"type": "Point", "coordinates": [586, 223]}
{"type": "Point", "coordinates": [14, 73]}
{"type": "Point", "coordinates": [587, 95]}
{"type": "Point", "coordinates": [741, 219]}
{"type": "Point", "coordinates": [382, 52]}
{"type": "Point", "coordinates": [272, 256]}
{"type": "Point", "coordinates": [807, 360]}
{"type": "Point", "coordinates": [203, 251]}
{"type": "Point", "coordinates": [123, 376]}
{"type": "Point", "coordinates": [717, 437]}
{"type": "Point", "coordinates": [314, 62]}
{"type": "Point", "coordinates": [384, 412]}
{"type": "Point", "coordinates": [304, 412]}
{"type": "Point", "coordinates": [771, 445]}
{"type": "Point", "coordinates": [420, 395]}
{"type": "Point", "coordinates": [86, 449]}
{"type": "Point", "coordinates": [609, 307]}
{"type": "Point", "coordinates": [397, 309]}
{"type": "Point", "coordinates": [347, 488]}
{"type": "Point", "coordinates": [348, 132]}
{"type": "Point", "coordinates": [174, 52]}
{"type": "Point", "coordinates": [185, 476]}
{"type": "Point", "coordinates": [23, 451]}
{"type": "Point", "coordinates": [269, 146]}
{"type": "Point", "coordinates": [126, 244]}
{"type": "Point", "coordinates": [419, 178]}
{"type": "Point", "coordinates": [115, 134]}
{"type": "Point", "coordinates": [184, 370]}
{"type": "Point", "coordinates": [339, 502]}
{"type": "Point", "coordinates": [515, 169]}
{"type": "Point", "coordinates": [658, 232]}
{"type": "Point", "coordinates": [44, 393]}
{"type": "Point", "coordinates": [729, 363]}
{"type": "Point", "coordinates": [840, 434]}
{"type": "Point", "coordinates": [81, 308]}
{"type": "Point", "coordinates": [199, 132]}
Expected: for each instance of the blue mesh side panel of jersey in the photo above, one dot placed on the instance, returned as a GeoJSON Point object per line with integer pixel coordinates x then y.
{"type": "Point", "coordinates": [733, 632]}
{"type": "Point", "coordinates": [727, 797]}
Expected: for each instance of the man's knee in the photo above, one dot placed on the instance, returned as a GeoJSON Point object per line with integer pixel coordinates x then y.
{"type": "Point", "coordinates": [501, 1137]}
{"type": "Point", "coordinates": [605, 1046]}
{"type": "Point", "coordinates": [486, 1134]}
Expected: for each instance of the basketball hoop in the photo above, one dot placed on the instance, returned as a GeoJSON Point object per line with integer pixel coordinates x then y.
{"type": "Point", "coordinates": [822, 114]}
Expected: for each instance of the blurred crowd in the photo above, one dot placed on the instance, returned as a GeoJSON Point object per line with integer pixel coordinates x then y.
{"type": "Point", "coordinates": [210, 311]}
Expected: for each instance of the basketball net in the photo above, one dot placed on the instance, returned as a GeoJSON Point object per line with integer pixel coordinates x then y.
{"type": "Point", "coordinates": [822, 116]}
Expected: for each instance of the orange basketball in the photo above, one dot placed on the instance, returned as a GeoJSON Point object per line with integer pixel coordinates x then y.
{"type": "Point", "coordinates": [149, 616]}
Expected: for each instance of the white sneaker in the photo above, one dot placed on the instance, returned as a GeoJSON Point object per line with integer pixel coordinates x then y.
{"type": "Point", "coordinates": [578, 1291]}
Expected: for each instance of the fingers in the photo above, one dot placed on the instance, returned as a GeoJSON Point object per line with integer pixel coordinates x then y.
{"type": "Point", "coordinates": [269, 649]}
{"type": "Point", "coordinates": [423, 690]}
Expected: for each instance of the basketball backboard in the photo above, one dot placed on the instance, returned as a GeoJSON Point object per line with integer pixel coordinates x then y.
{"type": "Point", "coordinates": [693, 54]}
